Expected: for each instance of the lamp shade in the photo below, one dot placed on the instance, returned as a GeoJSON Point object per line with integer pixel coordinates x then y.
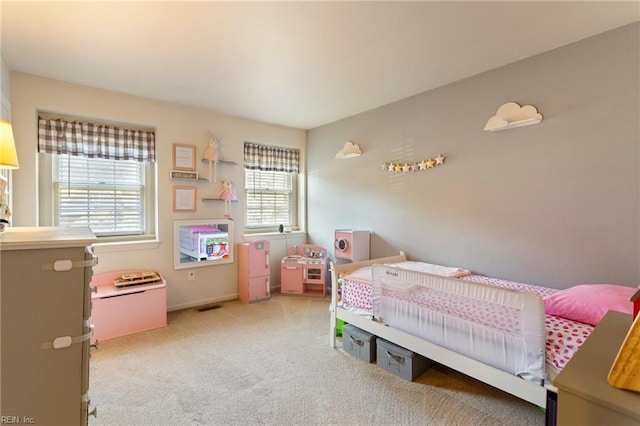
{"type": "Point", "coordinates": [8, 155]}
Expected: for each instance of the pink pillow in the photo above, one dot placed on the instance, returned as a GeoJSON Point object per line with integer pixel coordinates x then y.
{"type": "Point", "coordinates": [588, 303]}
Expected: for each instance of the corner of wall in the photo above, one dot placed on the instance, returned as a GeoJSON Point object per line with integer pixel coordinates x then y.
{"type": "Point", "coordinates": [5, 89]}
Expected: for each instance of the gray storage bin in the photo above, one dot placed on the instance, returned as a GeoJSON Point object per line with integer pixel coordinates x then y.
{"type": "Point", "coordinates": [359, 343]}
{"type": "Point", "coordinates": [400, 361]}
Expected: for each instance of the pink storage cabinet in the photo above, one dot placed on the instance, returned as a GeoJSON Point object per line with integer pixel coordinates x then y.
{"type": "Point", "coordinates": [254, 272]}
{"type": "Point", "coordinates": [121, 311]}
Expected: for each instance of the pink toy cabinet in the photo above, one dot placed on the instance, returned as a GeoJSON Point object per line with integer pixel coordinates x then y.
{"type": "Point", "coordinates": [253, 271]}
{"type": "Point", "coordinates": [120, 311]}
{"type": "Point", "coordinates": [351, 245]}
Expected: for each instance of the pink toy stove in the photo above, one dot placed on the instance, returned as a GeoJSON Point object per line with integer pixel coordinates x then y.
{"type": "Point", "coordinates": [304, 271]}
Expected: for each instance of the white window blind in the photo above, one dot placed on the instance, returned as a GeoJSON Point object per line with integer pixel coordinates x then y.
{"type": "Point", "coordinates": [270, 199]}
{"type": "Point", "coordinates": [106, 195]}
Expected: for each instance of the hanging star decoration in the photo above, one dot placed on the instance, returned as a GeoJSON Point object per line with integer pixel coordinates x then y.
{"type": "Point", "coordinates": [405, 167]}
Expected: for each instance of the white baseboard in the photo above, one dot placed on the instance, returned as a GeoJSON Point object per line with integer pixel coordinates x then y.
{"type": "Point", "coordinates": [202, 302]}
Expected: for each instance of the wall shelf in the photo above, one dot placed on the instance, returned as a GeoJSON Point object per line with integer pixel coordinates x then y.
{"type": "Point", "coordinates": [216, 199]}
{"type": "Point", "coordinates": [230, 163]}
{"type": "Point", "coordinates": [177, 175]}
{"type": "Point", "coordinates": [191, 180]}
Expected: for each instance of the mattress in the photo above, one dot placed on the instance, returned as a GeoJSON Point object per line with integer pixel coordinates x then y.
{"type": "Point", "coordinates": [562, 340]}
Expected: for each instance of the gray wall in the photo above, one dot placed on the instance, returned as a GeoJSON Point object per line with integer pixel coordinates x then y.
{"type": "Point", "coordinates": [554, 204]}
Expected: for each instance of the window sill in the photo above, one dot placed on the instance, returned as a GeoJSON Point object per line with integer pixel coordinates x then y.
{"type": "Point", "coordinates": [272, 235]}
{"type": "Point", "coordinates": [125, 246]}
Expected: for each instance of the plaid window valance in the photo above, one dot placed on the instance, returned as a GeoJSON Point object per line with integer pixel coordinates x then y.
{"type": "Point", "coordinates": [85, 139]}
{"type": "Point", "coordinates": [268, 158]}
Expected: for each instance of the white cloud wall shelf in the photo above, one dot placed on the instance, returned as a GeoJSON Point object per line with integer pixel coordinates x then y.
{"type": "Point", "coordinates": [349, 150]}
{"type": "Point", "coordinates": [512, 115]}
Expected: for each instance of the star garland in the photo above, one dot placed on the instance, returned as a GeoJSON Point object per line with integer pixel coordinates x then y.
{"type": "Point", "coordinates": [429, 163]}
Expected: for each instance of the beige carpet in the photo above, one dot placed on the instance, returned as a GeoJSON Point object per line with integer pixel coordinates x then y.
{"type": "Point", "coordinates": [270, 363]}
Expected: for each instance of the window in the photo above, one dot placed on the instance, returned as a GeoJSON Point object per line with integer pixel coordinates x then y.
{"type": "Point", "coordinates": [270, 187]}
{"type": "Point", "coordinates": [270, 199]}
{"type": "Point", "coordinates": [106, 195]}
{"type": "Point", "coordinates": [97, 176]}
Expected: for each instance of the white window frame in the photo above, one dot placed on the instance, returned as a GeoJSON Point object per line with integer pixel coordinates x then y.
{"type": "Point", "coordinates": [294, 195]}
{"type": "Point", "coordinates": [48, 165]}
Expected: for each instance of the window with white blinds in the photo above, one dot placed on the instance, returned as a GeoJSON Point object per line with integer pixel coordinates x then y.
{"type": "Point", "coordinates": [106, 195]}
{"type": "Point", "coordinates": [270, 199]}
{"type": "Point", "coordinates": [97, 174]}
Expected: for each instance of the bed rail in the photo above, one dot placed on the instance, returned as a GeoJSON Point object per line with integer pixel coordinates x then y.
{"type": "Point", "coordinates": [344, 268]}
{"type": "Point", "coordinates": [531, 391]}
{"type": "Point", "coordinates": [500, 327]}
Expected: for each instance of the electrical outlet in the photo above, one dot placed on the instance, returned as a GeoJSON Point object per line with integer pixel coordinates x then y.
{"type": "Point", "coordinates": [191, 276]}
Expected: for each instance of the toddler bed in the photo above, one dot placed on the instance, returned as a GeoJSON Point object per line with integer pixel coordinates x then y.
{"type": "Point", "coordinates": [493, 330]}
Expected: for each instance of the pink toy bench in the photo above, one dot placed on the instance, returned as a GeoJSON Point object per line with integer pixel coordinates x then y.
{"type": "Point", "coordinates": [126, 310]}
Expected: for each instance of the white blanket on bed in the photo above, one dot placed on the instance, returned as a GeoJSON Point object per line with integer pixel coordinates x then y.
{"type": "Point", "coordinates": [364, 274]}
{"type": "Point", "coordinates": [428, 268]}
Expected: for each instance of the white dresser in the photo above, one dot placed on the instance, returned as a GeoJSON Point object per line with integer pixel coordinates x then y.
{"type": "Point", "coordinates": [45, 308]}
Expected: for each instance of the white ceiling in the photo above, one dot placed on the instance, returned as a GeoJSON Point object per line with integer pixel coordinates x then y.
{"type": "Point", "coordinates": [299, 64]}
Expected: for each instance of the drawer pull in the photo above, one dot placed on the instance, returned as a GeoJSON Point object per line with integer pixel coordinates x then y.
{"type": "Point", "coordinates": [396, 358]}
{"type": "Point", "coordinates": [356, 341]}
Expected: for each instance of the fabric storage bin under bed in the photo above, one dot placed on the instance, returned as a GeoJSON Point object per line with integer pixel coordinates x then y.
{"type": "Point", "coordinates": [400, 361]}
{"type": "Point", "coordinates": [359, 343]}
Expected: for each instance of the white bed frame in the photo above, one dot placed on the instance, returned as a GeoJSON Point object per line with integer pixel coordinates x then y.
{"type": "Point", "coordinates": [523, 389]}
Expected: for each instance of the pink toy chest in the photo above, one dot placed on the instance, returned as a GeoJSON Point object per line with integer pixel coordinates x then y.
{"type": "Point", "coordinates": [120, 311]}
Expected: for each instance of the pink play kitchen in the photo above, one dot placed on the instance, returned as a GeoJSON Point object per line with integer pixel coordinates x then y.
{"type": "Point", "coordinates": [304, 271]}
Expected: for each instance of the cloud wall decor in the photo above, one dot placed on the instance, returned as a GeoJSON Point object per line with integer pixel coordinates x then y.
{"type": "Point", "coordinates": [349, 150]}
{"type": "Point", "coordinates": [511, 115]}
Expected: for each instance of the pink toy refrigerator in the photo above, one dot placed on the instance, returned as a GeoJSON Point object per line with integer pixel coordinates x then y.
{"type": "Point", "coordinates": [253, 271]}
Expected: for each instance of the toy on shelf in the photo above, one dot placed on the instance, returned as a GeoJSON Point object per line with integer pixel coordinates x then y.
{"type": "Point", "coordinates": [227, 195]}
{"type": "Point", "coordinates": [212, 156]}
